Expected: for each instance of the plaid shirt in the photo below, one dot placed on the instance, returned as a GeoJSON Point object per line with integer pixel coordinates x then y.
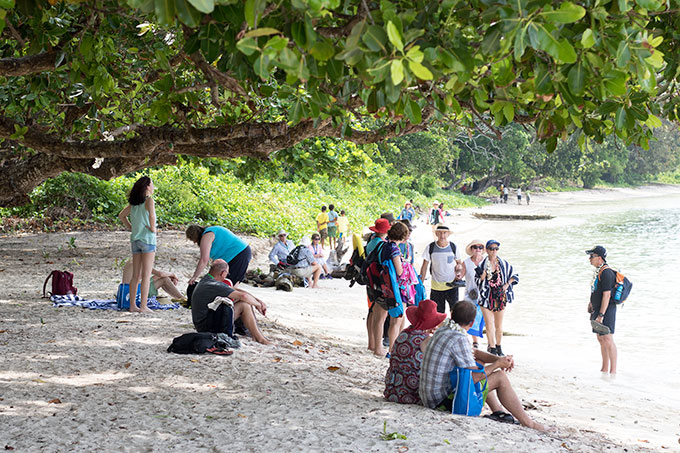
{"type": "Point", "coordinates": [448, 348]}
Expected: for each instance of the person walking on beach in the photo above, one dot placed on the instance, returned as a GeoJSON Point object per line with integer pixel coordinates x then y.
{"type": "Point", "coordinates": [142, 224]}
{"type": "Point", "coordinates": [475, 251]}
{"type": "Point", "coordinates": [528, 196]}
{"type": "Point", "coordinates": [519, 195]}
{"type": "Point", "coordinates": [407, 213]}
{"type": "Point", "coordinates": [443, 260]}
{"type": "Point", "coordinates": [495, 279]}
{"type": "Point", "coordinates": [322, 225]}
{"type": "Point", "coordinates": [343, 226]}
{"type": "Point", "coordinates": [434, 217]}
{"type": "Point", "coordinates": [506, 191]}
{"type": "Point", "coordinates": [601, 308]}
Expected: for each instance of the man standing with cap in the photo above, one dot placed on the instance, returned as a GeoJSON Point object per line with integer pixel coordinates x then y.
{"type": "Point", "coordinates": [601, 308]}
{"type": "Point", "coordinates": [443, 259]}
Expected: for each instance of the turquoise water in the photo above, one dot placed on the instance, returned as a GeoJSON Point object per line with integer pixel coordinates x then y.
{"type": "Point", "coordinates": [642, 237]}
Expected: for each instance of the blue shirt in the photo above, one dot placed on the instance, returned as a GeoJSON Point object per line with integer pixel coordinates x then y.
{"type": "Point", "coordinates": [332, 217]}
{"type": "Point", "coordinates": [280, 251]}
{"type": "Point", "coordinates": [373, 243]}
{"type": "Point", "coordinates": [139, 219]}
{"type": "Point", "coordinates": [226, 244]}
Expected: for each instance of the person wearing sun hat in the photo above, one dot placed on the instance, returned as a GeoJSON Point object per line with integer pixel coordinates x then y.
{"type": "Point", "coordinates": [402, 379]}
{"type": "Point", "coordinates": [379, 229]}
{"type": "Point", "coordinates": [282, 248]}
{"type": "Point", "coordinates": [475, 252]}
{"type": "Point", "coordinates": [495, 279]}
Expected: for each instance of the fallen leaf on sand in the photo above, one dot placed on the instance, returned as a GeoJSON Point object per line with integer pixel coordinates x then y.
{"type": "Point", "coordinates": [333, 368]}
{"type": "Point", "coordinates": [127, 365]}
{"type": "Point", "coordinates": [54, 401]}
{"type": "Point", "coordinates": [307, 351]}
{"type": "Point", "coordinates": [402, 449]}
{"type": "Point", "coordinates": [39, 381]}
{"type": "Point", "coordinates": [3, 331]}
{"type": "Point", "coordinates": [276, 359]}
{"type": "Point", "coordinates": [119, 322]}
{"type": "Point", "coordinates": [297, 343]}
{"type": "Point", "coordinates": [643, 440]}
{"type": "Point", "coordinates": [242, 416]}
{"type": "Point", "coordinates": [195, 360]}
{"type": "Point", "coordinates": [7, 447]}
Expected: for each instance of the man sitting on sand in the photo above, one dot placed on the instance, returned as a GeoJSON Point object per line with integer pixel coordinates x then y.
{"type": "Point", "coordinates": [221, 318]}
{"type": "Point", "coordinates": [306, 267]}
{"type": "Point", "coordinates": [450, 348]}
{"type": "Point", "coordinates": [159, 280]}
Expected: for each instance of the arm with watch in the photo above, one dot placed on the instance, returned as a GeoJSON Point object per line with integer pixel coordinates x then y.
{"type": "Point", "coordinates": [603, 306]}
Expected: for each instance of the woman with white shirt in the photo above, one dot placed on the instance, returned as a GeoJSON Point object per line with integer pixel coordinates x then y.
{"type": "Point", "coordinates": [475, 251]}
{"type": "Point", "coordinates": [317, 251]}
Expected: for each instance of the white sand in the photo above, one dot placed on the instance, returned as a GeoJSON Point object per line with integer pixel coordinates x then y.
{"type": "Point", "coordinates": [82, 380]}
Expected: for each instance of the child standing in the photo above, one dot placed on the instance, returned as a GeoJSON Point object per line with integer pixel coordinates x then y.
{"type": "Point", "coordinates": [142, 223]}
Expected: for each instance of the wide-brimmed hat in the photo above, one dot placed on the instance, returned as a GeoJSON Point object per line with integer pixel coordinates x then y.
{"type": "Point", "coordinates": [381, 226]}
{"type": "Point", "coordinates": [468, 249]}
{"type": "Point", "coordinates": [425, 315]}
{"type": "Point", "coordinates": [441, 227]}
{"type": "Point", "coordinates": [388, 215]}
{"type": "Point", "coordinates": [281, 233]}
{"type": "Point", "coordinates": [435, 202]}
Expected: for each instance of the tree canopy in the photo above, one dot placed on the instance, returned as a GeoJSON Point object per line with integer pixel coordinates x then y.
{"type": "Point", "coordinates": [106, 87]}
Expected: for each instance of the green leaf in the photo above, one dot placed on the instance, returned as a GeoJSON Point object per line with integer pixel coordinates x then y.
{"type": "Point", "coordinates": [567, 14]}
{"type": "Point", "coordinates": [650, 5]}
{"type": "Point", "coordinates": [187, 14]}
{"type": "Point", "coordinates": [621, 118]}
{"type": "Point", "coordinates": [165, 11]}
{"type": "Point", "coordinates": [615, 83]}
{"type": "Point", "coordinates": [204, 6]}
{"type": "Point", "coordinates": [394, 36]}
{"type": "Point", "coordinates": [622, 54]}
{"type": "Point", "coordinates": [420, 71]}
{"type": "Point", "coordinates": [520, 43]}
{"type": "Point", "coordinates": [624, 7]}
{"type": "Point", "coordinates": [653, 122]}
{"type": "Point", "coordinates": [397, 71]}
{"type": "Point", "coordinates": [577, 79]}
{"type": "Point", "coordinates": [247, 46]}
{"type": "Point", "coordinates": [6, 4]}
{"type": "Point", "coordinates": [588, 39]}
{"type": "Point", "coordinates": [296, 112]}
{"type": "Point", "coordinates": [276, 43]}
{"type": "Point", "coordinates": [261, 66]}
{"type": "Point", "coordinates": [322, 50]}
{"type": "Point", "coordinates": [375, 38]}
{"type": "Point", "coordinates": [566, 52]}
{"type": "Point", "coordinates": [261, 32]}
{"type": "Point", "coordinates": [509, 111]}
{"type": "Point", "coordinates": [415, 54]}
{"type": "Point", "coordinates": [249, 12]}
{"type": "Point", "coordinates": [412, 110]}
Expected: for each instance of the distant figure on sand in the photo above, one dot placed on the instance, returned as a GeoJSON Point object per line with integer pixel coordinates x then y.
{"type": "Point", "coordinates": [322, 225]}
{"type": "Point", "coordinates": [380, 228]}
{"type": "Point", "coordinates": [402, 379]}
{"type": "Point", "coordinates": [282, 248]}
{"type": "Point", "coordinates": [601, 308]}
{"type": "Point", "coordinates": [528, 196]}
{"type": "Point", "coordinates": [142, 224]}
{"type": "Point", "coordinates": [495, 279]}
{"type": "Point", "coordinates": [332, 227]}
{"type": "Point", "coordinates": [343, 226]}
{"type": "Point", "coordinates": [519, 195]}
{"type": "Point", "coordinates": [166, 281]}
{"type": "Point", "coordinates": [450, 348]}
{"type": "Point", "coordinates": [217, 242]}
{"type": "Point", "coordinates": [475, 252]}
{"type": "Point", "coordinates": [319, 256]}
{"type": "Point", "coordinates": [407, 213]}
{"type": "Point", "coordinates": [435, 217]}
{"type": "Point", "coordinates": [220, 318]}
{"type": "Point", "coordinates": [506, 191]}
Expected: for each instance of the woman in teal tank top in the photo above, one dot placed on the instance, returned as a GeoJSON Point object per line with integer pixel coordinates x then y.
{"type": "Point", "coordinates": [218, 242]}
{"type": "Point", "coordinates": [142, 224]}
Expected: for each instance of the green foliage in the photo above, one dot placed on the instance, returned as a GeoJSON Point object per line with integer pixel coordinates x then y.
{"type": "Point", "coordinates": [192, 193]}
{"type": "Point", "coordinates": [391, 436]}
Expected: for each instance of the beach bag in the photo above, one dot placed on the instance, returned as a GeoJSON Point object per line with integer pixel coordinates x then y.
{"type": "Point", "coordinates": [294, 256]}
{"type": "Point", "coordinates": [421, 294]}
{"type": "Point", "coordinates": [468, 396]}
{"type": "Point", "coordinates": [198, 343]}
{"type": "Point", "coordinates": [477, 328]}
{"type": "Point", "coordinates": [123, 296]}
{"type": "Point", "coordinates": [622, 286]}
{"type": "Point", "coordinates": [62, 284]}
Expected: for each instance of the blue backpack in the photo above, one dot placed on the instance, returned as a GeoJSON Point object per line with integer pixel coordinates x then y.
{"type": "Point", "coordinates": [622, 286]}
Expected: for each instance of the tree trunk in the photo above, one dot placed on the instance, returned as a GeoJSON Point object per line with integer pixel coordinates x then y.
{"type": "Point", "coordinates": [455, 182]}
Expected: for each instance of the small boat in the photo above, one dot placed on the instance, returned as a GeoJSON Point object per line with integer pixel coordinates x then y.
{"type": "Point", "coordinates": [485, 216]}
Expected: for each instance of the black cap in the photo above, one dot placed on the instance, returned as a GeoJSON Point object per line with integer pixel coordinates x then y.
{"type": "Point", "coordinates": [599, 251]}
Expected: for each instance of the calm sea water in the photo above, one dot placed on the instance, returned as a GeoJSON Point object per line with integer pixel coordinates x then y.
{"type": "Point", "coordinates": [642, 237]}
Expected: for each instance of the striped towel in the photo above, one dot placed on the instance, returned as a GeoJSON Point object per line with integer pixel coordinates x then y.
{"type": "Point", "coordinates": [69, 300]}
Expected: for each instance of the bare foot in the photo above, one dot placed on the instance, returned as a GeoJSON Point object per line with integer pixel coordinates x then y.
{"type": "Point", "coordinates": [145, 310]}
{"type": "Point", "coordinates": [379, 353]}
{"type": "Point", "coordinates": [134, 310]}
{"type": "Point", "coordinates": [539, 427]}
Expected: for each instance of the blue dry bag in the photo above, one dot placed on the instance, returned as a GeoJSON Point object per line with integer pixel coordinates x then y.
{"type": "Point", "coordinates": [477, 328]}
{"type": "Point", "coordinates": [123, 296]}
{"type": "Point", "coordinates": [468, 397]}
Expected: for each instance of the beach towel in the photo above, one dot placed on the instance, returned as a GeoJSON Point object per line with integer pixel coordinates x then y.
{"type": "Point", "coordinates": [69, 300]}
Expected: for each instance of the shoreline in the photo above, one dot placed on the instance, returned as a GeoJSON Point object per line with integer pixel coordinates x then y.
{"type": "Point", "coordinates": [117, 387]}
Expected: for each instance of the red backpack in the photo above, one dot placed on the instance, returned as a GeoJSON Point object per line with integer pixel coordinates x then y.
{"type": "Point", "coordinates": [62, 283]}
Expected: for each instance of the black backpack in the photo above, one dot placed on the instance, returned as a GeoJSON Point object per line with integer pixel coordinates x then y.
{"type": "Point", "coordinates": [198, 343]}
{"type": "Point", "coordinates": [353, 271]}
{"type": "Point", "coordinates": [294, 256]}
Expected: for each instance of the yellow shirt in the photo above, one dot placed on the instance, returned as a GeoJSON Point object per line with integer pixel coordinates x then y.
{"type": "Point", "coordinates": [343, 224]}
{"type": "Point", "coordinates": [322, 221]}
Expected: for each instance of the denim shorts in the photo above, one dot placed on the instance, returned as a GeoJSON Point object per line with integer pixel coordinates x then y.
{"type": "Point", "coordinates": [142, 247]}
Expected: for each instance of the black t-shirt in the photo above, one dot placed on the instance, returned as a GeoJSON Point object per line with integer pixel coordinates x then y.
{"type": "Point", "coordinates": [605, 282]}
{"type": "Point", "coordinates": [206, 291]}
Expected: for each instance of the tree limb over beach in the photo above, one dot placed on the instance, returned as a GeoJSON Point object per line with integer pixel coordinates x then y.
{"type": "Point", "coordinates": [132, 85]}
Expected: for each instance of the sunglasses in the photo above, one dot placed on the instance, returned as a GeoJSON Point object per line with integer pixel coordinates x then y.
{"type": "Point", "coordinates": [315, 239]}
{"type": "Point", "coordinates": [591, 257]}
{"type": "Point", "coordinates": [493, 249]}
{"type": "Point", "coordinates": [477, 247]}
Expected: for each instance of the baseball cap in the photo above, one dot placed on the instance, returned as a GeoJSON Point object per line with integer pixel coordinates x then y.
{"type": "Point", "coordinates": [599, 251]}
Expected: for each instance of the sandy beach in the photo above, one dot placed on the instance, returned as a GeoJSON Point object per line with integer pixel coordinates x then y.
{"type": "Point", "coordinates": [90, 380]}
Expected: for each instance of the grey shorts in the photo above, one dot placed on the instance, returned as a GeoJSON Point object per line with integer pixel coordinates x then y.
{"type": "Point", "coordinates": [304, 272]}
{"type": "Point", "coordinates": [142, 247]}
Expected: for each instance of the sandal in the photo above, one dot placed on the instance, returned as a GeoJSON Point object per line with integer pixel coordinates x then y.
{"type": "Point", "coordinates": [502, 417]}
